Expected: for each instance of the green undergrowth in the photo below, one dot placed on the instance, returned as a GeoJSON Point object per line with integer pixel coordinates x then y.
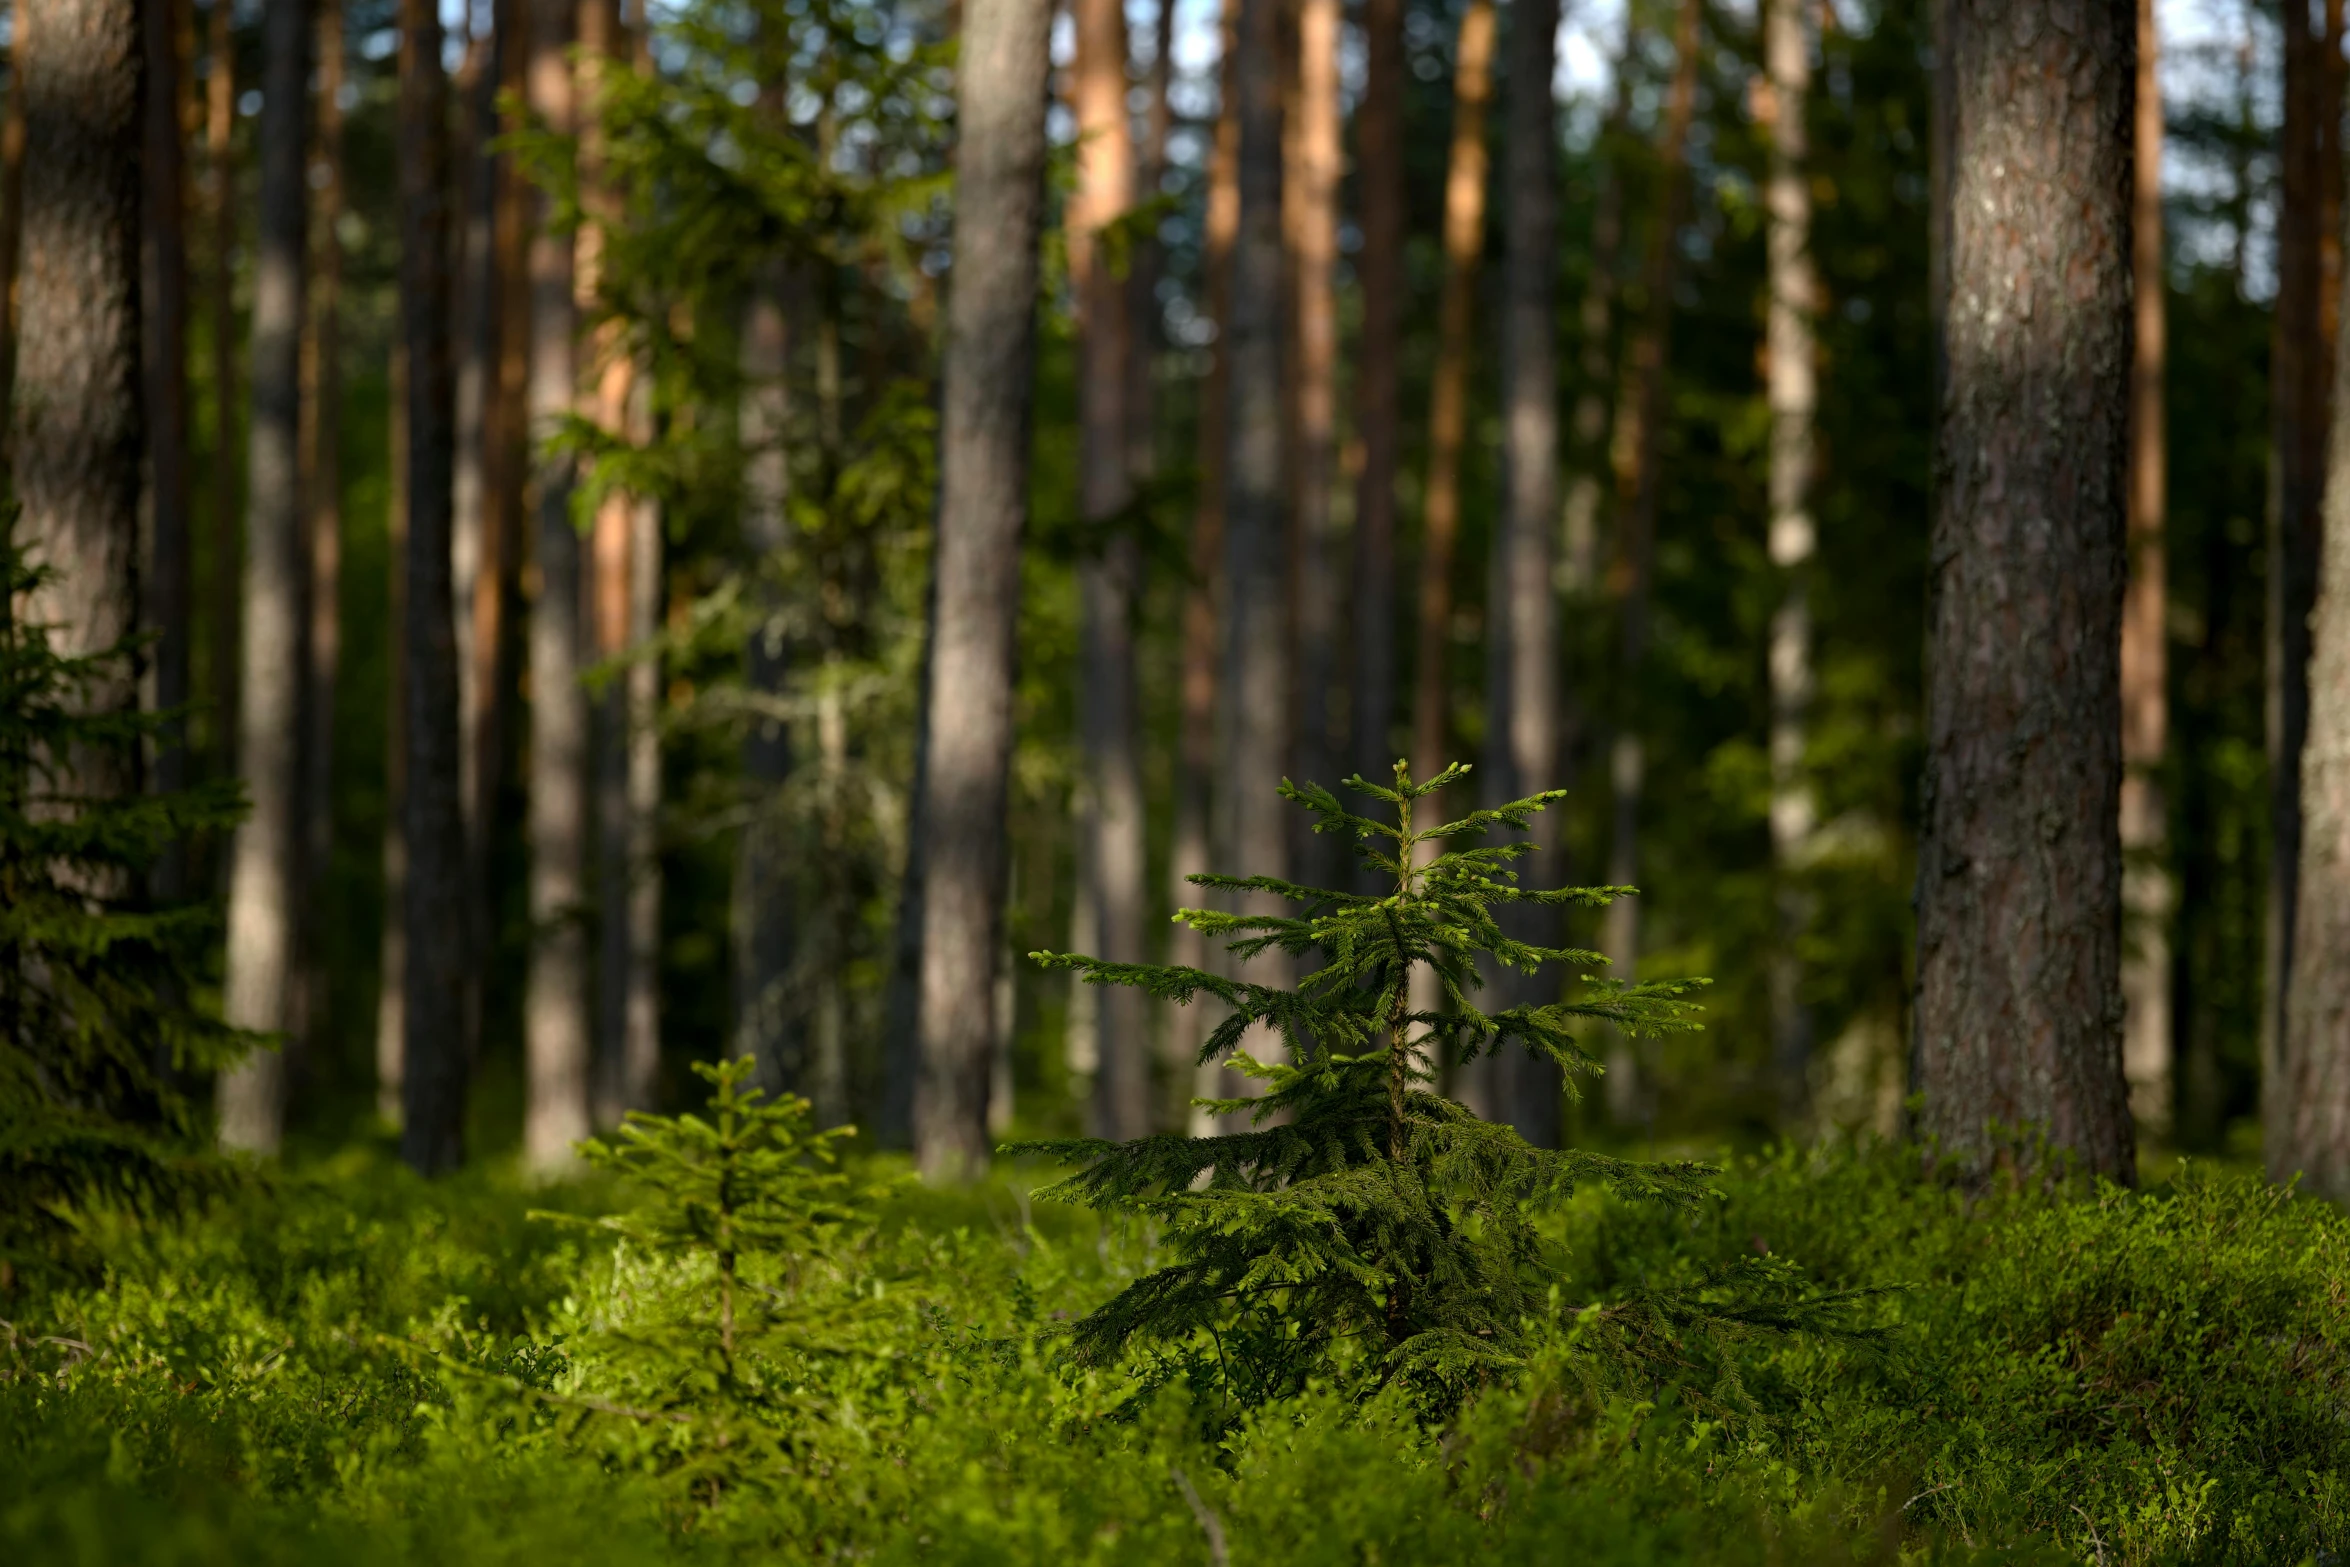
{"type": "Point", "coordinates": [346, 1365]}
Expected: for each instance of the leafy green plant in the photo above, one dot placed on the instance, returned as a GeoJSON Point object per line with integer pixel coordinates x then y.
{"type": "Point", "coordinates": [100, 1035]}
{"type": "Point", "coordinates": [1363, 1218]}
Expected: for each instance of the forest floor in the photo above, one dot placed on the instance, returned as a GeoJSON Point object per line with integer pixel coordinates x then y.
{"type": "Point", "coordinates": [343, 1364]}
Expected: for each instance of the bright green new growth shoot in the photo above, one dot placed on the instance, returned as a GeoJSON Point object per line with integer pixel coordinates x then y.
{"type": "Point", "coordinates": [1363, 1224]}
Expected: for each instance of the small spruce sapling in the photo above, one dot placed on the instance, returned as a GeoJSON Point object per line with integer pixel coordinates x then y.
{"type": "Point", "coordinates": [1364, 1224]}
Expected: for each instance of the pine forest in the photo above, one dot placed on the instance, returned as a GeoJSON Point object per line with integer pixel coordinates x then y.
{"type": "Point", "coordinates": [1174, 781]}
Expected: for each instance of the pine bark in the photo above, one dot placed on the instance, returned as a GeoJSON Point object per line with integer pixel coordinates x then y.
{"type": "Point", "coordinates": [2309, 188]}
{"type": "Point", "coordinates": [479, 547]}
{"type": "Point", "coordinates": [1196, 786]}
{"type": "Point", "coordinates": [2146, 878]}
{"type": "Point", "coordinates": [1253, 721]}
{"type": "Point", "coordinates": [391, 997]}
{"type": "Point", "coordinates": [438, 944]}
{"type": "Point", "coordinates": [1310, 189]}
{"type": "Point", "coordinates": [989, 375]}
{"type": "Point", "coordinates": [163, 319]}
{"type": "Point", "coordinates": [1523, 733]}
{"type": "Point", "coordinates": [322, 502]}
{"type": "Point", "coordinates": [556, 1037]}
{"type": "Point", "coordinates": [1793, 394]}
{"type": "Point", "coordinates": [2019, 861]}
{"type": "Point", "coordinates": [1379, 179]}
{"type": "Point", "coordinates": [640, 1040]}
{"type": "Point", "coordinates": [2308, 1129]}
{"type": "Point", "coordinates": [1637, 444]}
{"type": "Point", "coordinates": [1109, 576]}
{"type": "Point", "coordinates": [75, 433]}
{"type": "Point", "coordinates": [265, 870]}
{"type": "Point", "coordinates": [11, 214]}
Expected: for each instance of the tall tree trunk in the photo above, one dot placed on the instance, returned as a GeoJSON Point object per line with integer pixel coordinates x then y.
{"type": "Point", "coordinates": [2146, 880]}
{"type": "Point", "coordinates": [1522, 730]}
{"type": "Point", "coordinates": [1316, 163]}
{"type": "Point", "coordinates": [640, 1043]}
{"type": "Point", "coordinates": [1197, 788]}
{"type": "Point", "coordinates": [1448, 409]}
{"type": "Point", "coordinates": [989, 375]}
{"type": "Point", "coordinates": [391, 999]}
{"type": "Point", "coordinates": [556, 1039]}
{"type": "Point", "coordinates": [228, 522]}
{"type": "Point", "coordinates": [1109, 577]}
{"type": "Point", "coordinates": [1379, 177]}
{"type": "Point", "coordinates": [1793, 393]}
{"type": "Point", "coordinates": [163, 318]}
{"type": "Point", "coordinates": [321, 486]}
{"type": "Point", "coordinates": [265, 870]}
{"type": "Point", "coordinates": [75, 431]}
{"type": "Point", "coordinates": [11, 213]}
{"type": "Point", "coordinates": [1148, 258]}
{"type": "Point", "coordinates": [1253, 722]}
{"type": "Point", "coordinates": [611, 379]}
{"type": "Point", "coordinates": [1594, 319]}
{"type": "Point", "coordinates": [1638, 438]}
{"type": "Point", "coordinates": [2019, 860]}
{"type": "Point", "coordinates": [764, 929]}
{"type": "Point", "coordinates": [2308, 1127]}
{"type": "Point", "coordinates": [2309, 178]}
{"type": "Point", "coordinates": [433, 1127]}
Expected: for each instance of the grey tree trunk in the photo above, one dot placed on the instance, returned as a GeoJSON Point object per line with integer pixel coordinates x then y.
{"type": "Point", "coordinates": [2308, 1130]}
{"type": "Point", "coordinates": [163, 317]}
{"type": "Point", "coordinates": [11, 217]}
{"type": "Point", "coordinates": [228, 522]}
{"type": "Point", "coordinates": [1253, 718]}
{"type": "Point", "coordinates": [989, 373]}
{"type": "Point", "coordinates": [2146, 878]}
{"type": "Point", "coordinates": [1522, 735]}
{"type": "Point", "coordinates": [1638, 435]}
{"type": "Point", "coordinates": [2019, 861]}
{"type": "Point", "coordinates": [1109, 578]}
{"type": "Point", "coordinates": [439, 947]}
{"type": "Point", "coordinates": [2309, 180]}
{"type": "Point", "coordinates": [764, 901]}
{"type": "Point", "coordinates": [391, 999]}
{"type": "Point", "coordinates": [556, 1040]}
{"type": "Point", "coordinates": [265, 871]}
{"type": "Point", "coordinates": [1379, 176]}
{"type": "Point", "coordinates": [1793, 394]}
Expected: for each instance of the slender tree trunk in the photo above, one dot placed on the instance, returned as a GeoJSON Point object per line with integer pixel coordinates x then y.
{"type": "Point", "coordinates": [2308, 1130]}
{"type": "Point", "coordinates": [1148, 263]}
{"type": "Point", "coordinates": [1253, 723]}
{"type": "Point", "coordinates": [2309, 179]}
{"type": "Point", "coordinates": [477, 547]}
{"type": "Point", "coordinates": [1448, 411]}
{"type": "Point", "coordinates": [2019, 861]}
{"type": "Point", "coordinates": [764, 929]}
{"type": "Point", "coordinates": [1637, 445]}
{"type": "Point", "coordinates": [391, 1002]}
{"type": "Point", "coordinates": [1109, 578]}
{"type": "Point", "coordinates": [1379, 177]}
{"type": "Point", "coordinates": [640, 1042]}
{"type": "Point", "coordinates": [265, 870]}
{"type": "Point", "coordinates": [605, 398]}
{"type": "Point", "coordinates": [1595, 317]}
{"type": "Point", "coordinates": [556, 1039]}
{"type": "Point", "coordinates": [1793, 392]}
{"type": "Point", "coordinates": [163, 317]}
{"type": "Point", "coordinates": [11, 211]}
{"type": "Point", "coordinates": [2146, 880]}
{"type": "Point", "coordinates": [1316, 163]}
{"type": "Point", "coordinates": [989, 372]}
{"type": "Point", "coordinates": [1197, 788]}
{"type": "Point", "coordinates": [228, 530]}
{"type": "Point", "coordinates": [321, 487]}
{"type": "Point", "coordinates": [438, 970]}
{"type": "Point", "coordinates": [1522, 733]}
{"type": "Point", "coordinates": [75, 433]}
